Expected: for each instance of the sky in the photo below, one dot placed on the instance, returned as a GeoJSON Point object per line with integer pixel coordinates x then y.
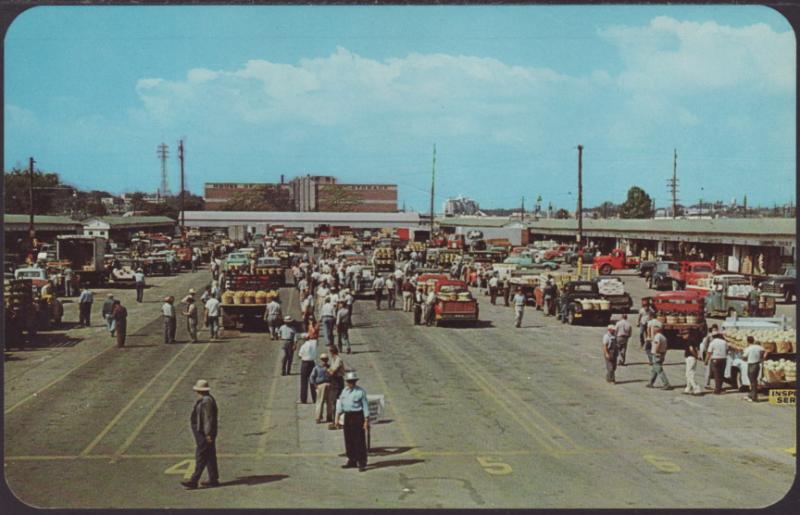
{"type": "Point", "coordinates": [363, 93]}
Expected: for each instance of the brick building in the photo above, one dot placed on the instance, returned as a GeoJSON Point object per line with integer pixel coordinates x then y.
{"type": "Point", "coordinates": [309, 193]}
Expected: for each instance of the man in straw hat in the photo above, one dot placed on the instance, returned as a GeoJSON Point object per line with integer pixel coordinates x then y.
{"type": "Point", "coordinates": [353, 404]}
{"type": "Point", "coordinates": [320, 383]}
{"type": "Point", "coordinates": [288, 335]}
{"type": "Point", "coordinates": [204, 429]}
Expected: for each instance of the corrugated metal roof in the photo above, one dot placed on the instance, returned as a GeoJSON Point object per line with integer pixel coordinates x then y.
{"type": "Point", "coordinates": [129, 221]}
{"type": "Point", "coordinates": [297, 216]}
{"type": "Point", "coordinates": [475, 221]}
{"type": "Point", "coordinates": [746, 226]}
{"type": "Point", "coordinates": [39, 219]}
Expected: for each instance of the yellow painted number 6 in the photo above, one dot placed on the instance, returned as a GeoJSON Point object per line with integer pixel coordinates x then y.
{"type": "Point", "coordinates": [495, 468]}
{"type": "Point", "coordinates": [662, 464]}
{"type": "Point", "coordinates": [185, 468]}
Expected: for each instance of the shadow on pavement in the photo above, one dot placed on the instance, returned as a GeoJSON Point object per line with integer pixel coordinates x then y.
{"type": "Point", "coordinates": [254, 480]}
{"type": "Point", "coordinates": [632, 381]}
{"type": "Point", "coordinates": [394, 463]}
{"type": "Point", "coordinates": [363, 351]}
{"type": "Point", "coordinates": [385, 421]}
{"type": "Point", "coordinates": [388, 451]}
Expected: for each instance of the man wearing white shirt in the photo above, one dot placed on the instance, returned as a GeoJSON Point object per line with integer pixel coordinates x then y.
{"type": "Point", "coordinates": [493, 289]}
{"type": "Point", "coordinates": [212, 316]}
{"type": "Point", "coordinates": [623, 331]}
{"type": "Point", "coordinates": [754, 354]}
{"type": "Point", "coordinates": [377, 287]}
{"type": "Point", "coordinates": [717, 354]}
{"type": "Point", "coordinates": [308, 359]}
{"type": "Point", "coordinates": [273, 315]}
{"type": "Point", "coordinates": [170, 322]}
{"type": "Point", "coordinates": [327, 316]}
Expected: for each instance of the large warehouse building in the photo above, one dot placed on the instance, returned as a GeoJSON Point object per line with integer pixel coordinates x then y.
{"type": "Point", "coordinates": [310, 193]}
{"type": "Point", "coordinates": [258, 221]}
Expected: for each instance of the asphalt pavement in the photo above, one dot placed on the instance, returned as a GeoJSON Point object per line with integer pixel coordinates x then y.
{"type": "Point", "coordinates": [476, 417]}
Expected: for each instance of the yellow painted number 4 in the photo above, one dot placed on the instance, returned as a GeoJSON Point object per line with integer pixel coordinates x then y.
{"type": "Point", "coordinates": [495, 468]}
{"type": "Point", "coordinates": [185, 468]}
{"type": "Point", "coordinates": [662, 464]}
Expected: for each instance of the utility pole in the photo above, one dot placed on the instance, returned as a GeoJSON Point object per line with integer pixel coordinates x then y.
{"type": "Point", "coordinates": [745, 206]}
{"type": "Point", "coordinates": [579, 214]}
{"type": "Point", "coordinates": [522, 211]}
{"type": "Point", "coordinates": [433, 183]}
{"type": "Point", "coordinates": [162, 153]}
{"type": "Point", "coordinates": [31, 229]}
{"type": "Point", "coordinates": [180, 157]}
{"type": "Point", "coordinates": [673, 184]}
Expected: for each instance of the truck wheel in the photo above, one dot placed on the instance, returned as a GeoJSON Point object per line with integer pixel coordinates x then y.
{"type": "Point", "coordinates": [605, 269]}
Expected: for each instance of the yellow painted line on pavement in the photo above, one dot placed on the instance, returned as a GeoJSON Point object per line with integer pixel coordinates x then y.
{"type": "Point", "coordinates": [130, 404]}
{"type": "Point", "coordinates": [527, 406]}
{"type": "Point", "coordinates": [530, 427]}
{"type": "Point", "coordinates": [57, 380]}
{"type": "Point", "coordinates": [124, 447]}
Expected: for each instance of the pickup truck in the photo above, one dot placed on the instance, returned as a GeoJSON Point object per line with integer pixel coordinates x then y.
{"type": "Point", "coordinates": [617, 260]}
{"type": "Point", "coordinates": [236, 260]}
{"type": "Point", "coordinates": [454, 303]}
{"type": "Point", "coordinates": [689, 273]}
{"type": "Point", "coordinates": [729, 293]}
{"type": "Point", "coordinates": [273, 269]}
{"type": "Point", "coordinates": [783, 286]}
{"type": "Point", "coordinates": [527, 261]}
{"type": "Point", "coordinates": [581, 301]}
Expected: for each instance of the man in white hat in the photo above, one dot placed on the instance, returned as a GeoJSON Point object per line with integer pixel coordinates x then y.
{"type": "Point", "coordinates": [273, 316]}
{"type": "Point", "coordinates": [170, 322]}
{"type": "Point", "coordinates": [204, 429]}
{"type": "Point", "coordinates": [610, 353]}
{"type": "Point", "coordinates": [185, 300]}
{"type": "Point", "coordinates": [288, 335]}
{"type": "Point", "coordinates": [138, 277]}
{"type": "Point", "coordinates": [320, 382]}
{"type": "Point", "coordinates": [353, 403]}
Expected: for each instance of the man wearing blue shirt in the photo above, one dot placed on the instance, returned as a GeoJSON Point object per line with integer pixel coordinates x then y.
{"type": "Point", "coordinates": [85, 308]}
{"type": "Point", "coordinates": [353, 403]}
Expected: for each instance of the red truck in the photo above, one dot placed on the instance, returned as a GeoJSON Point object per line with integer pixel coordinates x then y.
{"type": "Point", "coordinates": [689, 272]}
{"type": "Point", "coordinates": [617, 260]}
{"type": "Point", "coordinates": [682, 315]}
{"type": "Point", "coordinates": [454, 303]}
{"type": "Point", "coordinates": [184, 255]}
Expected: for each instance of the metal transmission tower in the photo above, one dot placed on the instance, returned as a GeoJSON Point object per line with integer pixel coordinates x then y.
{"type": "Point", "coordinates": [163, 153]}
{"type": "Point", "coordinates": [672, 184]}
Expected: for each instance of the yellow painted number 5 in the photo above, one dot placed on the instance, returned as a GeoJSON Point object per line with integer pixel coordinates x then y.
{"type": "Point", "coordinates": [495, 468]}
{"type": "Point", "coordinates": [185, 468]}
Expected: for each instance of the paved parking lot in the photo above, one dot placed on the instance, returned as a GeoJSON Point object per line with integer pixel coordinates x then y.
{"type": "Point", "coordinates": [485, 417]}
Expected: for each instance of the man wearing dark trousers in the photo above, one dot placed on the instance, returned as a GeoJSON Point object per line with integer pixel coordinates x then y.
{"type": "Point", "coordinates": [308, 359]}
{"type": "Point", "coordinates": [204, 429]}
{"type": "Point", "coordinates": [288, 335]}
{"type": "Point", "coordinates": [353, 403]}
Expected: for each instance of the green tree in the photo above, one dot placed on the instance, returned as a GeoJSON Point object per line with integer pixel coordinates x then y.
{"type": "Point", "coordinates": [562, 214]}
{"type": "Point", "coordinates": [17, 194]}
{"type": "Point", "coordinates": [638, 204]}
{"type": "Point", "coordinates": [267, 197]}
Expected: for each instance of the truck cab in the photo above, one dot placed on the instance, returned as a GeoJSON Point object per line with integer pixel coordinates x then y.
{"type": "Point", "coordinates": [781, 286]}
{"type": "Point", "coordinates": [689, 273]}
{"type": "Point", "coordinates": [617, 260]}
{"type": "Point", "coordinates": [730, 293]}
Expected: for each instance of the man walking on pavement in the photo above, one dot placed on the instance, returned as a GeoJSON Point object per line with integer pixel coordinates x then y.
{"type": "Point", "coordinates": [138, 277]}
{"type": "Point", "coordinates": [754, 354]}
{"type": "Point", "coordinates": [690, 357]}
{"type": "Point", "coordinates": [107, 312]}
{"type": "Point", "coordinates": [120, 315]}
{"type": "Point", "coordinates": [320, 382]}
{"type": "Point", "coordinates": [652, 324]}
{"type": "Point", "coordinates": [68, 291]}
{"type": "Point", "coordinates": [623, 331]}
{"type": "Point", "coordinates": [493, 289]}
{"type": "Point", "coordinates": [519, 307]}
{"type": "Point", "coordinates": [353, 403]}
{"type": "Point", "coordinates": [408, 294]}
{"type": "Point", "coordinates": [308, 359]}
{"type": "Point", "coordinates": [343, 327]}
{"type": "Point", "coordinates": [191, 318]}
{"type": "Point", "coordinates": [610, 353]}
{"type": "Point", "coordinates": [377, 287]}
{"type": "Point", "coordinates": [336, 372]}
{"type": "Point", "coordinates": [85, 307]}
{"type": "Point", "coordinates": [170, 324]}
{"type": "Point", "coordinates": [212, 317]}
{"type": "Point", "coordinates": [327, 317]}
{"type": "Point", "coordinates": [506, 290]}
{"type": "Point", "coordinates": [717, 354]}
{"type": "Point", "coordinates": [287, 335]}
{"type": "Point", "coordinates": [204, 430]}
{"type": "Point", "coordinates": [659, 351]}
{"type": "Point", "coordinates": [273, 316]}
{"type": "Point", "coordinates": [390, 291]}
{"type": "Point", "coordinates": [645, 313]}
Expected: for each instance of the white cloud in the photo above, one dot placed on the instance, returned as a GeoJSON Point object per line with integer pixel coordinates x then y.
{"type": "Point", "coordinates": [683, 57]}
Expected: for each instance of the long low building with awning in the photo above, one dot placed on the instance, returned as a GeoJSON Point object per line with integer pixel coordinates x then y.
{"type": "Point", "coordinates": [258, 221]}
{"type": "Point", "coordinates": [745, 245]}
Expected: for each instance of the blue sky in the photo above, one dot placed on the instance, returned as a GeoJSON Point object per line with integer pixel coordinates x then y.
{"type": "Point", "coordinates": [363, 93]}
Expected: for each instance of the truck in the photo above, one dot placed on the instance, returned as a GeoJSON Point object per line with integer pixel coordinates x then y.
{"type": "Point", "coordinates": [454, 303]}
{"type": "Point", "coordinates": [727, 294]}
{"type": "Point", "coordinates": [528, 261]}
{"type": "Point", "coordinates": [660, 275]}
{"type": "Point", "coordinates": [85, 255]}
{"type": "Point", "coordinates": [581, 301]}
{"type": "Point", "coordinates": [616, 260]}
{"type": "Point", "coordinates": [272, 268]}
{"type": "Point", "coordinates": [689, 273]}
{"type": "Point", "coordinates": [681, 314]}
{"type": "Point", "coordinates": [236, 260]}
{"type": "Point", "coordinates": [613, 290]}
{"type": "Point", "coordinates": [383, 260]}
{"type": "Point", "coordinates": [238, 308]}
{"type": "Point", "coordinates": [782, 286]}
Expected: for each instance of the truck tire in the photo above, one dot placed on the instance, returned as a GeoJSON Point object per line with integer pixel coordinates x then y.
{"type": "Point", "coordinates": [606, 269]}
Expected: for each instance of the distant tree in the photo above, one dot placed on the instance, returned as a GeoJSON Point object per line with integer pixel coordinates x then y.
{"type": "Point", "coordinates": [608, 209]}
{"type": "Point", "coordinates": [137, 201]}
{"type": "Point", "coordinates": [190, 202]}
{"type": "Point", "coordinates": [638, 204]}
{"type": "Point", "coordinates": [562, 214]}
{"type": "Point", "coordinates": [17, 196]}
{"type": "Point", "coordinates": [263, 198]}
{"type": "Point", "coordinates": [96, 208]}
